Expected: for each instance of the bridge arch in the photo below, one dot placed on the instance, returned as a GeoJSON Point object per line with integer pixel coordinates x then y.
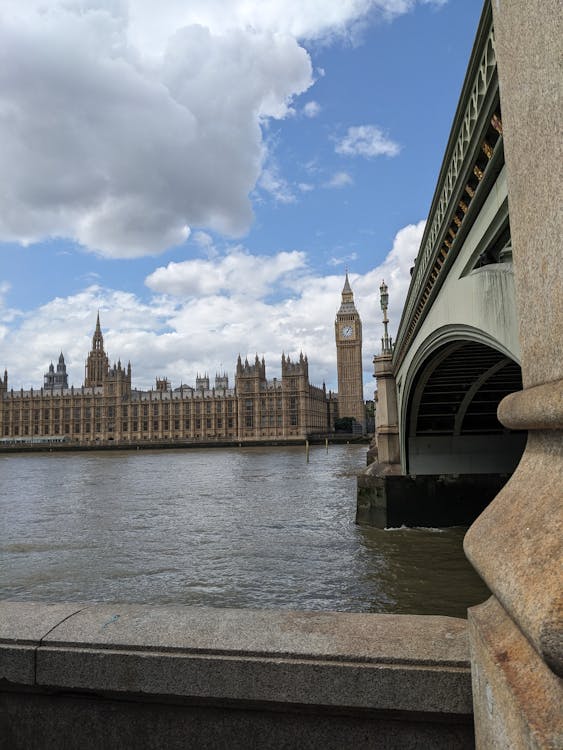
{"type": "Point", "coordinates": [448, 405]}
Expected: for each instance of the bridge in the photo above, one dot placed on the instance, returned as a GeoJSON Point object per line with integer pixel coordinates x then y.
{"type": "Point", "coordinates": [457, 351]}
{"type": "Point", "coordinates": [109, 675]}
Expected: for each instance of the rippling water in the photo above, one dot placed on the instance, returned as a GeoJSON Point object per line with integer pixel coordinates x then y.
{"type": "Point", "coordinates": [250, 527]}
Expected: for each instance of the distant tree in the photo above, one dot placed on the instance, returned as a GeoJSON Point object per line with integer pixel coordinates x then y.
{"type": "Point", "coordinates": [344, 424]}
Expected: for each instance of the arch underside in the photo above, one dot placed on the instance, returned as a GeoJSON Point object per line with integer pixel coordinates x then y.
{"type": "Point", "coordinates": [452, 425]}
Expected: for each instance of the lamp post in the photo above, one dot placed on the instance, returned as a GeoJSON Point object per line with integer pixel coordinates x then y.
{"type": "Point", "coordinates": [386, 341]}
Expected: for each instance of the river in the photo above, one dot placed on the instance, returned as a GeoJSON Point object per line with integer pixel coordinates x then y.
{"type": "Point", "coordinates": [247, 527]}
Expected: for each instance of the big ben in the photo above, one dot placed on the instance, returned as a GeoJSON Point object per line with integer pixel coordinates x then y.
{"type": "Point", "coordinates": [348, 333]}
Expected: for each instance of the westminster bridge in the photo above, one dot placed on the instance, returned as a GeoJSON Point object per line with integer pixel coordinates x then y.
{"type": "Point", "coordinates": [87, 675]}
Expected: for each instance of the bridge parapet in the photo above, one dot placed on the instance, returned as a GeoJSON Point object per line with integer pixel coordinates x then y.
{"type": "Point", "coordinates": [474, 156]}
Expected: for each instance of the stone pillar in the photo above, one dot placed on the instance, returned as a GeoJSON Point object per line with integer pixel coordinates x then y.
{"type": "Point", "coordinates": [516, 544]}
{"type": "Point", "coordinates": [386, 416]}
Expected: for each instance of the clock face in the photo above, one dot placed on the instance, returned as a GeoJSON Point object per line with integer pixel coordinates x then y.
{"type": "Point", "coordinates": [347, 331]}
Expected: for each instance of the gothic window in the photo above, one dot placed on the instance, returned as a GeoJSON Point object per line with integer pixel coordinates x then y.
{"type": "Point", "coordinates": [124, 411]}
{"type": "Point", "coordinates": [248, 422]}
{"type": "Point", "coordinates": [155, 425]}
{"type": "Point", "coordinates": [124, 427]}
{"type": "Point", "coordinates": [155, 410]}
{"type": "Point", "coordinates": [208, 423]}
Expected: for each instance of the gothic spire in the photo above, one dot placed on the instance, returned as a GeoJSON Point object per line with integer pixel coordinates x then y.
{"type": "Point", "coordinates": [347, 297]}
{"type": "Point", "coordinates": [97, 338]}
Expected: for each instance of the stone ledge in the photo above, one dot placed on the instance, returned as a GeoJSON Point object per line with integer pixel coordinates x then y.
{"type": "Point", "coordinates": [22, 627]}
{"type": "Point", "coordinates": [356, 661]}
{"type": "Point", "coordinates": [536, 408]}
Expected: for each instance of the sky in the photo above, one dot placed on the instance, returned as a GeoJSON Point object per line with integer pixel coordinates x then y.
{"type": "Point", "coordinates": [203, 175]}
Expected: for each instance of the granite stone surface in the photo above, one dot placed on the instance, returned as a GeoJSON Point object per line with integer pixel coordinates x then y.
{"type": "Point", "coordinates": [22, 627]}
{"type": "Point", "coordinates": [313, 635]}
{"type": "Point", "coordinates": [359, 661]}
{"type": "Point", "coordinates": [43, 722]}
{"type": "Point", "coordinates": [518, 700]}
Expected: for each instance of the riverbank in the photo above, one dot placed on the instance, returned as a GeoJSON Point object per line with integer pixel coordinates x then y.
{"type": "Point", "coordinates": [111, 445]}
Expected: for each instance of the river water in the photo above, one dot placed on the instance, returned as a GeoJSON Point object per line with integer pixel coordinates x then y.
{"type": "Point", "coordinates": [248, 527]}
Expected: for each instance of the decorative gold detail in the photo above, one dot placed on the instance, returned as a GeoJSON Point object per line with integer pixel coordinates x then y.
{"type": "Point", "coordinates": [496, 122]}
{"type": "Point", "coordinates": [448, 244]}
{"type": "Point", "coordinates": [452, 233]}
{"type": "Point", "coordinates": [457, 221]}
{"type": "Point", "coordinates": [444, 252]}
{"type": "Point", "coordinates": [478, 173]}
{"type": "Point", "coordinates": [469, 190]}
{"type": "Point", "coordinates": [463, 206]}
{"type": "Point", "coordinates": [487, 149]}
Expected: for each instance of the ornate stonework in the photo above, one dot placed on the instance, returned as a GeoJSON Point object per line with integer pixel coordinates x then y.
{"type": "Point", "coordinates": [348, 334]}
{"type": "Point", "coordinates": [106, 409]}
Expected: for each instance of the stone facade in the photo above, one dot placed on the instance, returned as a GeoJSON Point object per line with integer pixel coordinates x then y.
{"type": "Point", "coordinates": [107, 409]}
{"type": "Point", "coordinates": [348, 334]}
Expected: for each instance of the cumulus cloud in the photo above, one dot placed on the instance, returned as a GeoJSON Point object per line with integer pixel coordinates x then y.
{"type": "Point", "coordinates": [368, 141]}
{"type": "Point", "coordinates": [203, 314]}
{"type": "Point", "coordinates": [121, 151]}
{"type": "Point", "coordinates": [238, 273]}
{"type": "Point", "coordinates": [122, 126]}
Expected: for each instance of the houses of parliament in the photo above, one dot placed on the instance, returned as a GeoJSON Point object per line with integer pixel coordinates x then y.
{"type": "Point", "coordinates": [106, 409]}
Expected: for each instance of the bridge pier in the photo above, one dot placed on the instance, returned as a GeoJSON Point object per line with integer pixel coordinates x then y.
{"type": "Point", "coordinates": [516, 544]}
{"type": "Point", "coordinates": [431, 500]}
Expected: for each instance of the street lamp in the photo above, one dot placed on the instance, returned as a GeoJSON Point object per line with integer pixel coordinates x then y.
{"type": "Point", "coordinates": [386, 341]}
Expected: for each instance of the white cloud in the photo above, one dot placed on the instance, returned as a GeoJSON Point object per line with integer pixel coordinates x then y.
{"type": "Point", "coordinates": [366, 140]}
{"type": "Point", "coordinates": [122, 125]}
{"type": "Point", "coordinates": [122, 152]}
{"type": "Point", "coordinates": [238, 273]}
{"type": "Point", "coordinates": [312, 109]}
{"type": "Point", "coordinates": [204, 313]}
{"type": "Point", "coordinates": [275, 185]}
{"type": "Point", "coordinates": [305, 187]}
{"type": "Point", "coordinates": [343, 260]}
{"type": "Point", "coordinates": [339, 180]}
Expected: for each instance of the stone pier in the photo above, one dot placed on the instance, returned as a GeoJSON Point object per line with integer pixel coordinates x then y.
{"type": "Point", "coordinates": [516, 545]}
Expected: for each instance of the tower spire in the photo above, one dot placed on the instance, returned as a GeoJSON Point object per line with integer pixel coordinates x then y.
{"type": "Point", "coordinates": [97, 364]}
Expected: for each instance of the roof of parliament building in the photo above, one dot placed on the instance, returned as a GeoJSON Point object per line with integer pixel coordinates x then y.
{"type": "Point", "coordinates": [100, 376]}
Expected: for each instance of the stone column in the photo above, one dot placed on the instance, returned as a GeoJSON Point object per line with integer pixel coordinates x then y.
{"type": "Point", "coordinates": [386, 415]}
{"type": "Point", "coordinates": [516, 544]}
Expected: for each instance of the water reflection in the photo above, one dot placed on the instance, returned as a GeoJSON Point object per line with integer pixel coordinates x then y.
{"type": "Point", "coordinates": [252, 527]}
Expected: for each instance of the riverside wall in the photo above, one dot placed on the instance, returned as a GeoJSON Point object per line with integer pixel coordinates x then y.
{"type": "Point", "coordinates": [110, 675]}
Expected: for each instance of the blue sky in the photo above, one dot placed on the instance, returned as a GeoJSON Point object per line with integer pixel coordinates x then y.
{"type": "Point", "coordinates": [203, 176]}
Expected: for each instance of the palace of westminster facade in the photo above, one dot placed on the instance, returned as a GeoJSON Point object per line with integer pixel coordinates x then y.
{"type": "Point", "coordinates": [106, 409]}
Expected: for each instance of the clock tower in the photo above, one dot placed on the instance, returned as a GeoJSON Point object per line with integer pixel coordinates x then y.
{"type": "Point", "coordinates": [348, 333]}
